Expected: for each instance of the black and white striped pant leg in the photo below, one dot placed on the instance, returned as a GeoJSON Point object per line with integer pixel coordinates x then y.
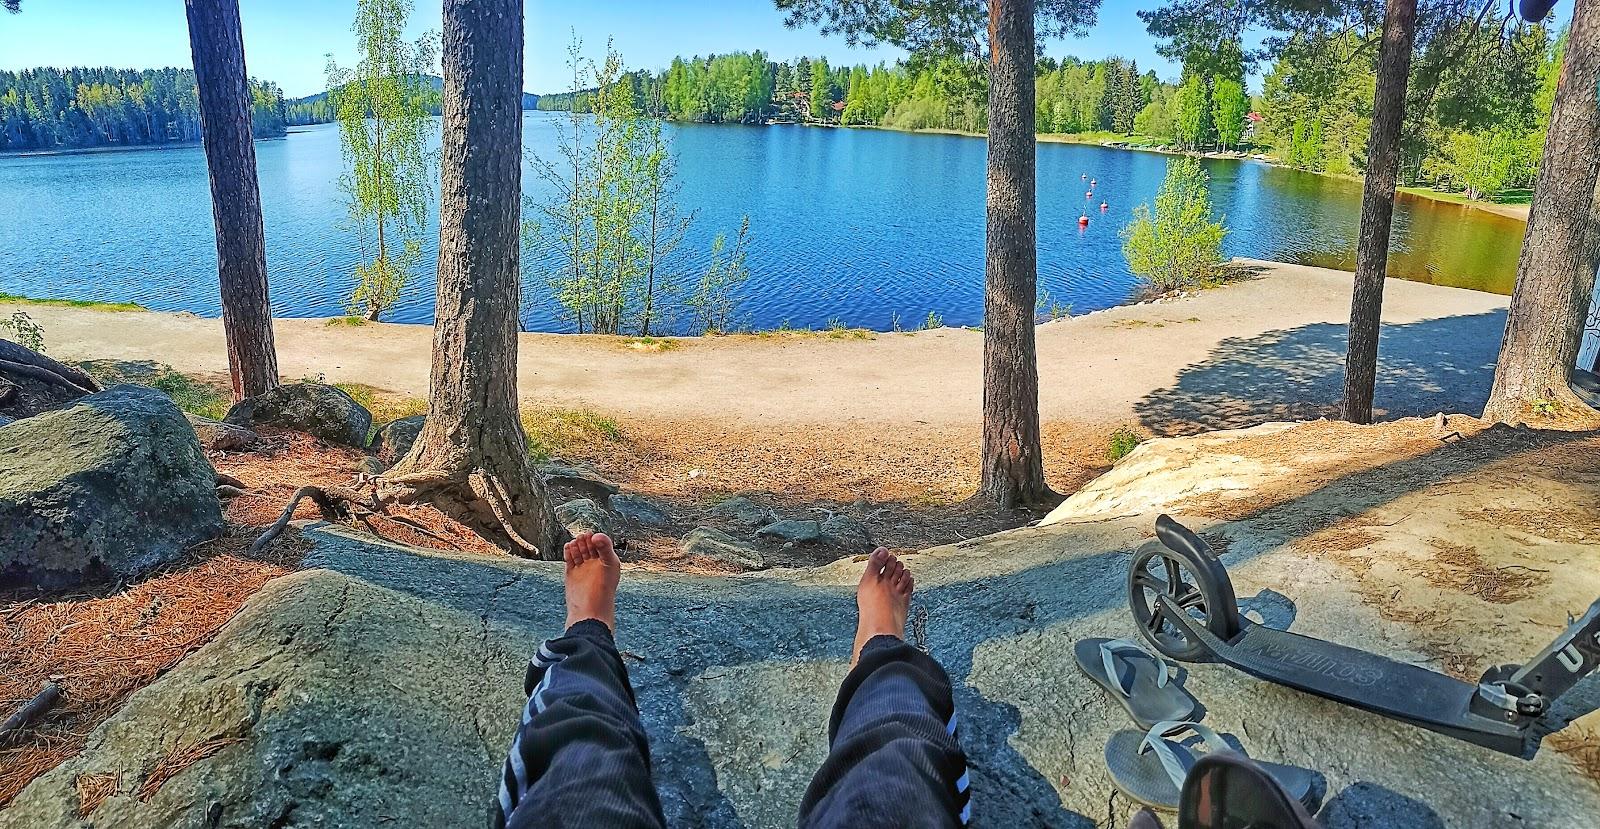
{"type": "Point", "coordinates": [580, 757]}
{"type": "Point", "coordinates": [894, 758]}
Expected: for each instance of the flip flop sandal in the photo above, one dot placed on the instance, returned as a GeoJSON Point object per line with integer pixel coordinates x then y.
{"type": "Point", "coordinates": [1136, 678]}
{"type": "Point", "coordinates": [1150, 767]}
{"type": "Point", "coordinates": [1231, 790]}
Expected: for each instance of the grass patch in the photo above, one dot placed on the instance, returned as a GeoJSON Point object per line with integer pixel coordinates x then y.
{"type": "Point", "coordinates": [654, 344]}
{"type": "Point", "coordinates": [1123, 441]}
{"type": "Point", "coordinates": [837, 330]}
{"type": "Point", "coordinates": [385, 407]}
{"type": "Point", "coordinates": [195, 396]}
{"type": "Point", "coordinates": [553, 431]}
{"type": "Point", "coordinates": [834, 331]}
{"type": "Point", "coordinates": [72, 303]}
{"type": "Point", "coordinates": [346, 322]}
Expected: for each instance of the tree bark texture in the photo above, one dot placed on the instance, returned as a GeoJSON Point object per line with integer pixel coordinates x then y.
{"type": "Point", "coordinates": [471, 459]}
{"type": "Point", "coordinates": [1560, 250]}
{"type": "Point", "coordinates": [1377, 208]}
{"type": "Point", "coordinates": [1013, 469]}
{"type": "Point", "coordinates": [217, 45]}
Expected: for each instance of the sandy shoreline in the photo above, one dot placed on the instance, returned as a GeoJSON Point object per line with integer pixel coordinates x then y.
{"type": "Point", "coordinates": [1101, 368]}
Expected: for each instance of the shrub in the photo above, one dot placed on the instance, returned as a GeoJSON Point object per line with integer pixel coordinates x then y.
{"type": "Point", "coordinates": [24, 330]}
{"type": "Point", "coordinates": [1176, 246]}
{"type": "Point", "coordinates": [933, 321]}
{"type": "Point", "coordinates": [1123, 441]}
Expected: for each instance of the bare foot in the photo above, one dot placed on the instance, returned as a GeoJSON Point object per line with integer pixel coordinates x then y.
{"type": "Point", "coordinates": [592, 572]}
{"type": "Point", "coordinates": [882, 599]}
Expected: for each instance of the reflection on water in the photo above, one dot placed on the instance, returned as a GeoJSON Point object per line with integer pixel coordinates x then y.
{"type": "Point", "coordinates": [1435, 242]}
{"type": "Point", "coordinates": [866, 227]}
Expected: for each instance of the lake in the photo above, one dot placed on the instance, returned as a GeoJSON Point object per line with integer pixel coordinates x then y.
{"type": "Point", "coordinates": [863, 227]}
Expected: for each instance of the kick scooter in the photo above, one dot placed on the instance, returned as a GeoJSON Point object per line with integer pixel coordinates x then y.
{"type": "Point", "coordinates": [1184, 604]}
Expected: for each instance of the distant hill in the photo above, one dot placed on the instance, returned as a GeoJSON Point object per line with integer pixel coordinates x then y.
{"type": "Point", "coordinates": [315, 109]}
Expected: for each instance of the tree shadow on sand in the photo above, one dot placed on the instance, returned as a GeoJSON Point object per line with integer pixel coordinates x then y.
{"type": "Point", "coordinates": [1438, 365]}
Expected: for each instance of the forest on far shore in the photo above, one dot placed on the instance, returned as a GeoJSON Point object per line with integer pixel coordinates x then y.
{"type": "Point", "coordinates": [86, 107]}
{"type": "Point", "coordinates": [1478, 101]}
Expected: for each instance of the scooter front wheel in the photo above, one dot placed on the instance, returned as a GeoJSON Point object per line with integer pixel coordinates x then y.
{"type": "Point", "coordinates": [1198, 587]}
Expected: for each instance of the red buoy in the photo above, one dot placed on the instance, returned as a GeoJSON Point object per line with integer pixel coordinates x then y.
{"type": "Point", "coordinates": [1102, 205]}
{"type": "Point", "coordinates": [1083, 221]}
{"type": "Point", "coordinates": [1091, 182]}
{"type": "Point", "coordinates": [1089, 195]}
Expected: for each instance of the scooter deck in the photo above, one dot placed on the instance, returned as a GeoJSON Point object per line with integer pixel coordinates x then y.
{"type": "Point", "coordinates": [1360, 679]}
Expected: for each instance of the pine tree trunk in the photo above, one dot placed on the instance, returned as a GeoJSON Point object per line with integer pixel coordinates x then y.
{"type": "Point", "coordinates": [471, 459]}
{"type": "Point", "coordinates": [1555, 276]}
{"type": "Point", "coordinates": [1013, 470]}
{"type": "Point", "coordinates": [217, 45]}
{"type": "Point", "coordinates": [1377, 208]}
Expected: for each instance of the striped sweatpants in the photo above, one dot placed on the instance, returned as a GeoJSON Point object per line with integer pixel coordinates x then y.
{"type": "Point", "coordinates": [581, 757]}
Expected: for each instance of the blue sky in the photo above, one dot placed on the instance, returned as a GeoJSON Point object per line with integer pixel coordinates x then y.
{"type": "Point", "coordinates": [286, 40]}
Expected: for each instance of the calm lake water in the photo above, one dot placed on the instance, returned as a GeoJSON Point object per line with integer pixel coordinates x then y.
{"type": "Point", "coordinates": [865, 227]}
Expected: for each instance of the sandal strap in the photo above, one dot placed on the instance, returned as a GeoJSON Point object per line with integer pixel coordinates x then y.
{"type": "Point", "coordinates": [1108, 649]}
{"type": "Point", "coordinates": [1157, 742]}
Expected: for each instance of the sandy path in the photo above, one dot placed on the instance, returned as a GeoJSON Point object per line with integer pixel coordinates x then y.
{"type": "Point", "coordinates": [1227, 354]}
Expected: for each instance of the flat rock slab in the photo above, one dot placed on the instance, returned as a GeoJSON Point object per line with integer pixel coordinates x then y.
{"type": "Point", "coordinates": [382, 686]}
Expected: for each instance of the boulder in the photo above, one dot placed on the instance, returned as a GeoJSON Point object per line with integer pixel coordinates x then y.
{"type": "Point", "coordinates": [368, 465]}
{"type": "Point", "coordinates": [581, 480]}
{"type": "Point", "coordinates": [847, 534]}
{"type": "Point", "coordinates": [640, 510]}
{"type": "Point", "coordinates": [107, 488]}
{"type": "Point", "coordinates": [394, 438]}
{"type": "Point", "coordinates": [223, 437]}
{"type": "Point", "coordinates": [582, 515]}
{"type": "Point", "coordinates": [792, 531]}
{"type": "Point", "coordinates": [317, 409]}
{"type": "Point", "coordinates": [718, 545]}
{"type": "Point", "coordinates": [744, 512]}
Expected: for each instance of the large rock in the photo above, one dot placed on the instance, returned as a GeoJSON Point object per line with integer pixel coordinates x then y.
{"type": "Point", "coordinates": [792, 531]}
{"type": "Point", "coordinates": [581, 515]}
{"type": "Point", "coordinates": [223, 437]}
{"type": "Point", "coordinates": [847, 534]}
{"type": "Point", "coordinates": [106, 489]}
{"type": "Point", "coordinates": [394, 438]}
{"type": "Point", "coordinates": [640, 510]}
{"type": "Point", "coordinates": [719, 546]}
{"type": "Point", "coordinates": [582, 481]}
{"type": "Point", "coordinates": [317, 409]}
{"type": "Point", "coordinates": [744, 512]}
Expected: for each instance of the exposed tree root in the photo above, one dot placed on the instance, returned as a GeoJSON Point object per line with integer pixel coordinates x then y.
{"type": "Point", "coordinates": [25, 362]}
{"type": "Point", "coordinates": [43, 375]}
{"type": "Point", "coordinates": [480, 501]}
{"type": "Point", "coordinates": [32, 710]}
{"type": "Point", "coordinates": [334, 504]}
{"type": "Point", "coordinates": [1557, 407]}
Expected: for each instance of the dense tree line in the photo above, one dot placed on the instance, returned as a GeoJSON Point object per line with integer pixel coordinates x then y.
{"type": "Point", "coordinates": [1476, 116]}
{"type": "Point", "coordinates": [319, 109]}
{"type": "Point", "coordinates": [47, 108]}
{"type": "Point", "coordinates": [1476, 112]}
